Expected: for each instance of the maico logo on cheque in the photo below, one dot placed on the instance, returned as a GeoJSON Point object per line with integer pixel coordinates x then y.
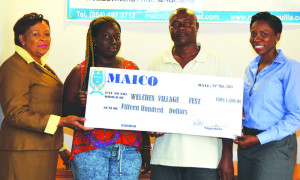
{"type": "Point", "coordinates": [132, 79]}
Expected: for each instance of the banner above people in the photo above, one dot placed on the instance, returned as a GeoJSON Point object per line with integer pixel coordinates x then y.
{"type": "Point", "coordinates": [212, 11]}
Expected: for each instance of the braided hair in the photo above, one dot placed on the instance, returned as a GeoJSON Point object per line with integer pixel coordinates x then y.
{"type": "Point", "coordinates": [93, 30]}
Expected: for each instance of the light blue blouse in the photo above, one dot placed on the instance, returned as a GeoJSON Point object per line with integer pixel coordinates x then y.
{"type": "Point", "coordinates": [272, 103]}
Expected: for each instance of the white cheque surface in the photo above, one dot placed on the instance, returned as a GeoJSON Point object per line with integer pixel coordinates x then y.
{"type": "Point", "coordinates": [164, 102]}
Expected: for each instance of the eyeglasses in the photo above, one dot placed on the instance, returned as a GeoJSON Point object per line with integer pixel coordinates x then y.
{"type": "Point", "coordinates": [179, 24]}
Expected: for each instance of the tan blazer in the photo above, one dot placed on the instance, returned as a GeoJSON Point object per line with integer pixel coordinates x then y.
{"type": "Point", "coordinates": [28, 95]}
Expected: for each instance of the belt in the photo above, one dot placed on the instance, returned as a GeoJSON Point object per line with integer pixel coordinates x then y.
{"type": "Point", "coordinates": [253, 132]}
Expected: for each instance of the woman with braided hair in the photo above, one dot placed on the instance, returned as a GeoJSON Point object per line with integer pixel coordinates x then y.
{"type": "Point", "coordinates": [101, 153]}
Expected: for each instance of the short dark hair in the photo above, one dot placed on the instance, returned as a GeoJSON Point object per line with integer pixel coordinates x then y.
{"type": "Point", "coordinates": [274, 21]}
{"type": "Point", "coordinates": [25, 22]}
{"type": "Point", "coordinates": [183, 10]}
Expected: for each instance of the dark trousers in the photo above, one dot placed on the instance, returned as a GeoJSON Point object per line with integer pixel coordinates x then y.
{"type": "Point", "coordinates": [159, 172]}
{"type": "Point", "coordinates": [275, 160]}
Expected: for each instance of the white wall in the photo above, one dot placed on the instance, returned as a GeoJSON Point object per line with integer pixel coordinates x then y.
{"type": "Point", "coordinates": [140, 41]}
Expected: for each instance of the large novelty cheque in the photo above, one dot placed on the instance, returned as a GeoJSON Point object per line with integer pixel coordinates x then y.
{"type": "Point", "coordinates": [164, 102]}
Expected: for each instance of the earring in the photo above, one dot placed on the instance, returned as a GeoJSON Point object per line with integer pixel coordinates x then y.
{"type": "Point", "coordinates": [276, 42]}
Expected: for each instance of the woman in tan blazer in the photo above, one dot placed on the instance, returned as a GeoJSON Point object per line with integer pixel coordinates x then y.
{"type": "Point", "coordinates": [31, 94]}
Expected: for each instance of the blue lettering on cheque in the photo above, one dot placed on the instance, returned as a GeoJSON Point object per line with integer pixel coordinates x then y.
{"type": "Point", "coordinates": [132, 79]}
